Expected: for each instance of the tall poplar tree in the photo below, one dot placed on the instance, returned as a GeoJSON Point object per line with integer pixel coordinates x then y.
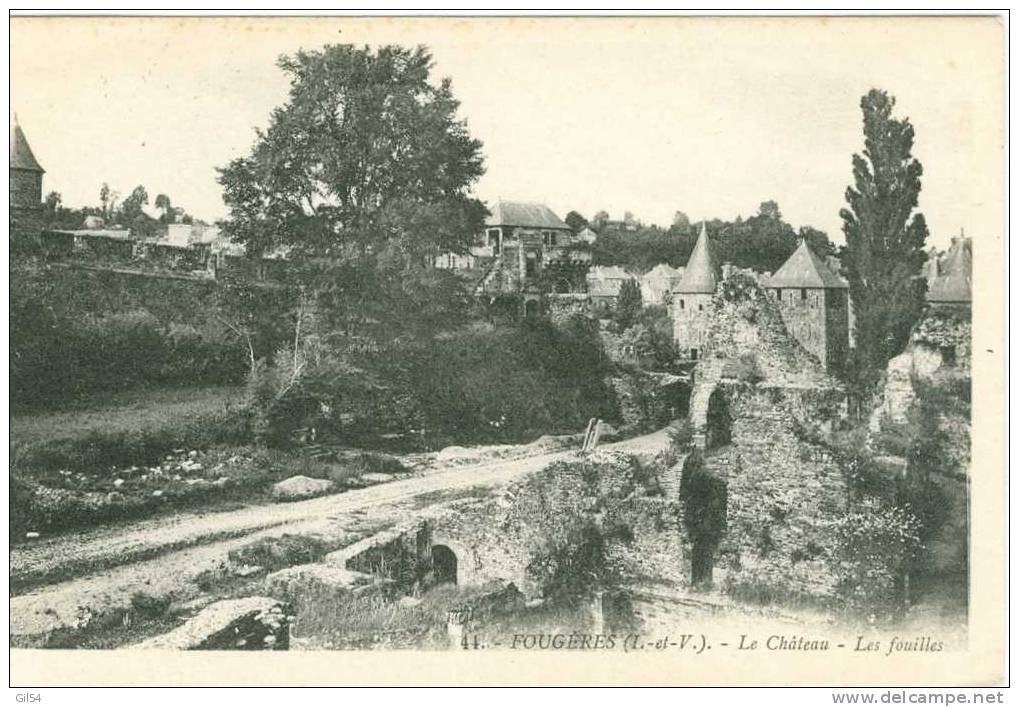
{"type": "Point", "coordinates": [885, 236]}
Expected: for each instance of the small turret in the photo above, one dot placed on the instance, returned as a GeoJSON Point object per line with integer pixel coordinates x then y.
{"type": "Point", "coordinates": [25, 185]}
{"type": "Point", "coordinates": [691, 298]}
{"type": "Point", "coordinates": [814, 304]}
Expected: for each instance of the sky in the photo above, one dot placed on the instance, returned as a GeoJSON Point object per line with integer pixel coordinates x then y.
{"type": "Point", "coordinates": [706, 116]}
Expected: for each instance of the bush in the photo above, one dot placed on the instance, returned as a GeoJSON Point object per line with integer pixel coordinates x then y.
{"type": "Point", "coordinates": [874, 545]}
{"type": "Point", "coordinates": [477, 385]}
{"type": "Point", "coordinates": [74, 333]}
{"type": "Point", "coordinates": [281, 552]}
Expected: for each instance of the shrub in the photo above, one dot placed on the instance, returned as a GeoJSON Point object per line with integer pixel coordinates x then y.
{"type": "Point", "coordinates": [873, 546]}
{"type": "Point", "coordinates": [149, 605]}
{"type": "Point", "coordinates": [280, 552]}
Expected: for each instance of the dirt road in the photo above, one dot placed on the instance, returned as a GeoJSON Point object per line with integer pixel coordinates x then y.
{"type": "Point", "coordinates": [108, 566]}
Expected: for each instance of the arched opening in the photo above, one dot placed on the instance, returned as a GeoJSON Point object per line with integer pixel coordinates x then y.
{"type": "Point", "coordinates": [719, 423]}
{"type": "Point", "coordinates": [531, 308]}
{"type": "Point", "coordinates": [443, 565]}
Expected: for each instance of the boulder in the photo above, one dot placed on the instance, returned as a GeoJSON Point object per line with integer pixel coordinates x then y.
{"type": "Point", "coordinates": [376, 478]}
{"type": "Point", "coordinates": [233, 624]}
{"type": "Point", "coordinates": [300, 487]}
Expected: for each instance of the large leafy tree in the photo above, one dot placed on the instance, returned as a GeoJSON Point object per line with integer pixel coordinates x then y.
{"type": "Point", "coordinates": [361, 178]}
{"type": "Point", "coordinates": [365, 152]}
{"type": "Point", "coordinates": [885, 237]}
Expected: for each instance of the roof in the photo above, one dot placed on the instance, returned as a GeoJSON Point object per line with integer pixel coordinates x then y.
{"type": "Point", "coordinates": [954, 282]}
{"type": "Point", "coordinates": [21, 153]}
{"type": "Point", "coordinates": [701, 273]}
{"type": "Point", "coordinates": [517, 213]}
{"type": "Point", "coordinates": [663, 271]}
{"type": "Point", "coordinates": [805, 269]}
{"type": "Point", "coordinates": [608, 272]}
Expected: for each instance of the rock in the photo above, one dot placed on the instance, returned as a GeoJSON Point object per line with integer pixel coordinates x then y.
{"type": "Point", "coordinates": [607, 433]}
{"type": "Point", "coordinates": [231, 624]}
{"type": "Point", "coordinates": [454, 452]}
{"type": "Point", "coordinates": [31, 535]}
{"type": "Point", "coordinates": [507, 600]}
{"type": "Point", "coordinates": [247, 570]}
{"type": "Point", "coordinates": [376, 478]}
{"type": "Point", "coordinates": [118, 483]}
{"type": "Point", "coordinates": [300, 487]}
{"type": "Point", "coordinates": [294, 581]}
{"type": "Point", "coordinates": [157, 493]}
{"type": "Point", "coordinates": [408, 602]}
{"type": "Point", "coordinates": [191, 607]}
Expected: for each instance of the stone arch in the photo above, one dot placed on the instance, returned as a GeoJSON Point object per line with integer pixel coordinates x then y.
{"type": "Point", "coordinates": [531, 307]}
{"type": "Point", "coordinates": [463, 557]}
{"type": "Point", "coordinates": [710, 415]}
{"type": "Point", "coordinates": [444, 565]}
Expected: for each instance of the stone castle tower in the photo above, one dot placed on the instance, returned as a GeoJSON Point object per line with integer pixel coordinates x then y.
{"type": "Point", "coordinates": [25, 186]}
{"type": "Point", "coordinates": [691, 299]}
{"type": "Point", "coordinates": [814, 304]}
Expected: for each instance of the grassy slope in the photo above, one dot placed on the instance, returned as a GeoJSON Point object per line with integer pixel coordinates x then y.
{"type": "Point", "coordinates": [134, 411]}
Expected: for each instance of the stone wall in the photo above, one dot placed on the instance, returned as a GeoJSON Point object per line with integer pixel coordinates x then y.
{"type": "Point", "coordinates": [819, 321]}
{"type": "Point", "coordinates": [941, 340]}
{"type": "Point", "coordinates": [563, 306]}
{"type": "Point", "coordinates": [782, 492]}
{"type": "Point", "coordinates": [25, 189]}
{"type": "Point", "coordinates": [692, 320]}
{"type": "Point", "coordinates": [499, 538]}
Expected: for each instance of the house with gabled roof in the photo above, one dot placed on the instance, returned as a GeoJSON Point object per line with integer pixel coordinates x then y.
{"type": "Point", "coordinates": [656, 284]}
{"type": "Point", "coordinates": [604, 283]}
{"type": "Point", "coordinates": [519, 241]}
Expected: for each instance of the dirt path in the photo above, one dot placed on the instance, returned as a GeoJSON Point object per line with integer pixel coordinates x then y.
{"type": "Point", "coordinates": [108, 566]}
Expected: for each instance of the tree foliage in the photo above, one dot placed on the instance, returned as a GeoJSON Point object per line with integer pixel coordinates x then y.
{"type": "Point", "coordinates": [575, 221]}
{"type": "Point", "coordinates": [761, 242]}
{"type": "Point", "coordinates": [885, 238]}
{"type": "Point", "coordinates": [367, 157]}
{"type": "Point", "coordinates": [628, 305]}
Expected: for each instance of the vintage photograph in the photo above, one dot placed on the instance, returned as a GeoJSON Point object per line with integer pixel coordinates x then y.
{"type": "Point", "coordinates": [508, 336]}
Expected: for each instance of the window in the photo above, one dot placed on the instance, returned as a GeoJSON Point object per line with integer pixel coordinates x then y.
{"type": "Point", "coordinates": [778, 294]}
{"type": "Point", "coordinates": [803, 294]}
{"type": "Point", "coordinates": [693, 354]}
{"type": "Point", "coordinates": [700, 308]}
{"type": "Point", "coordinates": [682, 304]}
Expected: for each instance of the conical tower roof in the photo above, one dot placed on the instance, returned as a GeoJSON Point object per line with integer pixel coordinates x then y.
{"type": "Point", "coordinates": [805, 269]}
{"type": "Point", "coordinates": [954, 283]}
{"type": "Point", "coordinates": [701, 274]}
{"type": "Point", "coordinates": [21, 153]}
